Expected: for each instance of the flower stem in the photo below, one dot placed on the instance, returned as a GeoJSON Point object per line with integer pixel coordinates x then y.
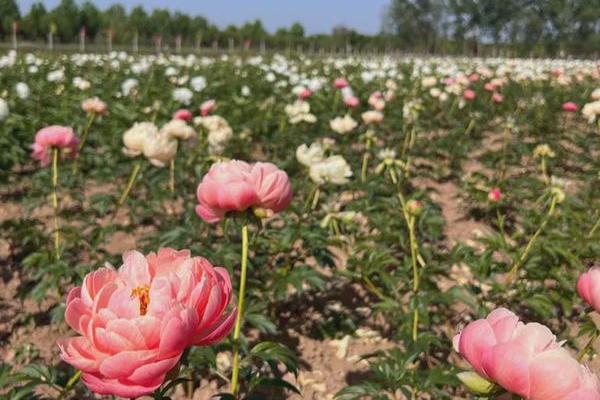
{"type": "Point", "coordinates": [172, 176]}
{"type": "Point", "coordinates": [588, 345]}
{"type": "Point", "coordinates": [238, 322]}
{"type": "Point", "coordinates": [515, 268]}
{"type": "Point", "coordinates": [70, 383]}
{"type": "Point", "coordinates": [363, 168]}
{"type": "Point", "coordinates": [414, 254]}
{"type": "Point", "coordinates": [84, 137]}
{"type": "Point", "coordinates": [594, 228]}
{"type": "Point", "coordinates": [315, 200]}
{"type": "Point", "coordinates": [132, 177]}
{"type": "Point", "coordinates": [55, 202]}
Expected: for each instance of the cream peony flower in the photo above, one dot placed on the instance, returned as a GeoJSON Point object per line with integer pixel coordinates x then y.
{"type": "Point", "coordinates": [178, 129]}
{"type": "Point", "coordinates": [307, 156]}
{"type": "Point", "coordinates": [298, 112]}
{"type": "Point", "coordinates": [135, 138]}
{"type": "Point", "coordinates": [372, 117]}
{"type": "Point", "coordinates": [343, 124]}
{"type": "Point", "coordinates": [160, 149]}
{"type": "Point", "coordinates": [333, 169]}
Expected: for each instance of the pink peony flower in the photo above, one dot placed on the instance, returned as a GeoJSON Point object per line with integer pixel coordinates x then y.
{"type": "Point", "coordinates": [524, 359]}
{"type": "Point", "coordinates": [134, 323]}
{"type": "Point", "coordinates": [588, 287]}
{"type": "Point", "coordinates": [495, 195]}
{"type": "Point", "coordinates": [304, 94]}
{"type": "Point", "coordinates": [569, 106]}
{"type": "Point", "coordinates": [340, 83]}
{"type": "Point", "coordinates": [469, 95]}
{"type": "Point", "coordinates": [235, 186]}
{"type": "Point", "coordinates": [272, 187]}
{"type": "Point", "coordinates": [351, 101]}
{"type": "Point", "coordinates": [497, 97]}
{"type": "Point", "coordinates": [183, 114]}
{"type": "Point", "coordinates": [94, 105]}
{"type": "Point", "coordinates": [474, 77]}
{"type": "Point", "coordinates": [489, 86]}
{"type": "Point", "coordinates": [58, 136]}
{"type": "Point", "coordinates": [207, 107]}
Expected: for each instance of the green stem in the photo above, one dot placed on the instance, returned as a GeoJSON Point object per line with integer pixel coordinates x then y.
{"type": "Point", "coordinates": [414, 253]}
{"type": "Point", "coordinates": [587, 346]}
{"type": "Point", "coordinates": [594, 228]}
{"type": "Point", "coordinates": [132, 177]}
{"type": "Point", "coordinates": [72, 381]}
{"type": "Point", "coordinates": [238, 322]}
{"type": "Point", "coordinates": [172, 176]}
{"type": "Point", "coordinates": [544, 171]}
{"type": "Point", "coordinates": [55, 202]}
{"type": "Point", "coordinates": [363, 168]}
{"type": "Point", "coordinates": [515, 268]}
{"type": "Point", "coordinates": [84, 137]}
{"type": "Point", "coordinates": [315, 200]}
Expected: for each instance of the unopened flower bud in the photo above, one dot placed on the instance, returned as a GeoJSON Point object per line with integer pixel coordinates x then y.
{"type": "Point", "coordinates": [495, 195]}
{"type": "Point", "coordinates": [475, 383]}
{"type": "Point", "coordinates": [414, 207]}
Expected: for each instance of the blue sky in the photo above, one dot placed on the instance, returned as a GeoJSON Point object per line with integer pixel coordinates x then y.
{"type": "Point", "coordinates": [317, 16]}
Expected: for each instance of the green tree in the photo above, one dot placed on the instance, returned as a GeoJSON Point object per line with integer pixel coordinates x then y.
{"type": "Point", "coordinates": [35, 24]}
{"type": "Point", "coordinates": [9, 13]}
{"type": "Point", "coordinates": [66, 18]}
{"type": "Point", "coordinates": [91, 18]}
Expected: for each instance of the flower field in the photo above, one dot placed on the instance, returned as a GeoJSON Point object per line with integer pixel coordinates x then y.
{"type": "Point", "coordinates": [294, 227]}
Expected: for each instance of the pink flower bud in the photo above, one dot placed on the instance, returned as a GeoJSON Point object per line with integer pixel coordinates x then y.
{"type": "Point", "coordinates": [183, 114]}
{"type": "Point", "coordinates": [340, 83]}
{"type": "Point", "coordinates": [495, 195]}
{"type": "Point", "coordinates": [469, 95]}
{"type": "Point", "coordinates": [570, 107]}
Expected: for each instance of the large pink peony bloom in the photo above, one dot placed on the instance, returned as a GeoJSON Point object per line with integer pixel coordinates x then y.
{"type": "Point", "coordinates": [524, 359]}
{"type": "Point", "coordinates": [588, 287]}
{"type": "Point", "coordinates": [135, 323]}
{"type": "Point", "coordinates": [58, 136]}
{"type": "Point", "coordinates": [235, 186]}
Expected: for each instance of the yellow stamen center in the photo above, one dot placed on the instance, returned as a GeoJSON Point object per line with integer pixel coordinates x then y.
{"type": "Point", "coordinates": [143, 295]}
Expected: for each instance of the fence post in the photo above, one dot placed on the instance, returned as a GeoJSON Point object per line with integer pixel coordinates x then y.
{"type": "Point", "coordinates": [82, 39]}
{"type": "Point", "coordinates": [15, 28]}
{"type": "Point", "coordinates": [178, 43]}
{"type": "Point", "coordinates": [135, 41]}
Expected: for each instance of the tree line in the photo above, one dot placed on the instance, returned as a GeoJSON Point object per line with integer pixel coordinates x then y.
{"type": "Point", "coordinates": [507, 27]}
{"type": "Point", "coordinates": [469, 27]}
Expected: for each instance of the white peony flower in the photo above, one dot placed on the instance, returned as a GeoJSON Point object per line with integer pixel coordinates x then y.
{"type": "Point", "coordinates": [56, 76]}
{"type": "Point", "coordinates": [81, 83]}
{"type": "Point", "coordinates": [3, 109]}
{"type": "Point", "coordinates": [307, 156]}
{"type": "Point", "coordinates": [198, 83]}
{"type": "Point", "coordinates": [129, 86]}
{"type": "Point", "coordinates": [183, 95]}
{"type": "Point", "coordinates": [333, 169]}
{"type": "Point", "coordinates": [22, 90]}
